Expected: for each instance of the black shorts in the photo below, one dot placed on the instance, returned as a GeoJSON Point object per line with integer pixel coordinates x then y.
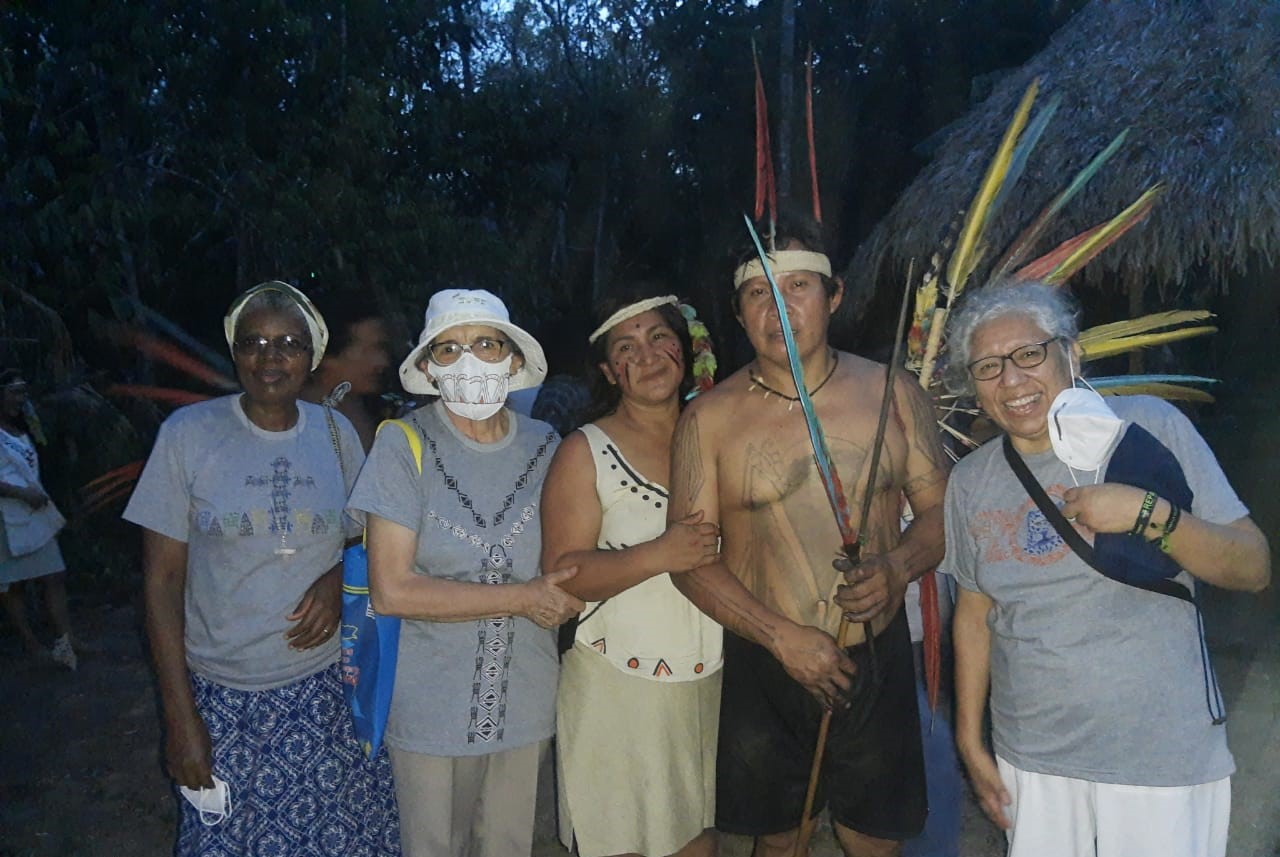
{"type": "Point", "coordinates": [873, 769]}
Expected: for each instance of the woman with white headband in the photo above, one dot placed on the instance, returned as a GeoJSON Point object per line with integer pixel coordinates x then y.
{"type": "Point", "coordinates": [453, 550]}
{"type": "Point", "coordinates": [639, 696]}
{"type": "Point", "coordinates": [241, 508]}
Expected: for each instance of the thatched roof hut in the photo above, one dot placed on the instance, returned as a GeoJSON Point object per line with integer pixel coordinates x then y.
{"type": "Point", "coordinates": [1198, 84]}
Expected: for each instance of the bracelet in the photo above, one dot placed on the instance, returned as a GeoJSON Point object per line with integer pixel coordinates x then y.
{"type": "Point", "coordinates": [1170, 525]}
{"type": "Point", "coordinates": [1144, 514]}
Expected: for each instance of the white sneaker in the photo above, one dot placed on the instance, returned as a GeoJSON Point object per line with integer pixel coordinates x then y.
{"type": "Point", "coordinates": [63, 654]}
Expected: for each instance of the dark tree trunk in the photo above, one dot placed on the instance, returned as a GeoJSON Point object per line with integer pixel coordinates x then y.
{"type": "Point", "coordinates": [786, 97]}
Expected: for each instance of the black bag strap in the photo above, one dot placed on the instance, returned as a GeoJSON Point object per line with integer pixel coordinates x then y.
{"type": "Point", "coordinates": [1069, 535]}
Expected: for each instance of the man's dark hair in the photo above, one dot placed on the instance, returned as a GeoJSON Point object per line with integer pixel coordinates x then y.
{"type": "Point", "coordinates": [343, 310]}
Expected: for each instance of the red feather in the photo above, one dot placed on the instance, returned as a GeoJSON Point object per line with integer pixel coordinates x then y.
{"type": "Point", "coordinates": [168, 395]}
{"type": "Point", "coordinates": [932, 622]}
{"type": "Point", "coordinates": [766, 190]}
{"type": "Point", "coordinates": [813, 150]}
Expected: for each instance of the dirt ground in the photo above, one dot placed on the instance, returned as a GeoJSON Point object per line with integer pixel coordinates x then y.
{"type": "Point", "coordinates": [80, 770]}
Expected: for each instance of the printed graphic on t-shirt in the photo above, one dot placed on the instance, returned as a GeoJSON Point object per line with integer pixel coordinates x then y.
{"type": "Point", "coordinates": [274, 509]}
{"type": "Point", "coordinates": [1023, 534]}
{"type": "Point", "coordinates": [495, 638]}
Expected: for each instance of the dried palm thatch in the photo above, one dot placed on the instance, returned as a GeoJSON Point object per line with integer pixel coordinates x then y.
{"type": "Point", "coordinates": [1196, 83]}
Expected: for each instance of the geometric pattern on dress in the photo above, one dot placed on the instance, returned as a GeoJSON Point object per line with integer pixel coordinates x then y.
{"type": "Point", "coordinates": [494, 643]}
{"type": "Point", "coordinates": [636, 476]}
{"type": "Point", "coordinates": [300, 784]}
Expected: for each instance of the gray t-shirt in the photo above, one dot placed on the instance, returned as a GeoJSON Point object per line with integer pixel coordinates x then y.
{"type": "Point", "coordinates": [1090, 678]}
{"type": "Point", "coordinates": [230, 490]}
{"type": "Point", "coordinates": [467, 688]}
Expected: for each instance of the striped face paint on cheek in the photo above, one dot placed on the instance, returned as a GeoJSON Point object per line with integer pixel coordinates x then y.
{"type": "Point", "coordinates": [670, 348]}
{"type": "Point", "coordinates": [632, 363]}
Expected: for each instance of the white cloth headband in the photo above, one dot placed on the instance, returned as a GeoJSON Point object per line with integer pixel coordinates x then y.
{"type": "Point", "coordinates": [631, 311]}
{"type": "Point", "coordinates": [781, 261]}
{"type": "Point", "coordinates": [310, 315]}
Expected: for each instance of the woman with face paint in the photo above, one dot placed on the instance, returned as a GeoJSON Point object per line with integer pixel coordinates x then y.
{"type": "Point", "coordinates": [1080, 627]}
{"type": "Point", "coordinates": [453, 550]}
{"type": "Point", "coordinates": [639, 697]}
{"type": "Point", "coordinates": [241, 504]}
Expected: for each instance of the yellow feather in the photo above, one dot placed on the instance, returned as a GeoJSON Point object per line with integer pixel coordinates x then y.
{"type": "Point", "coordinates": [1104, 236]}
{"type": "Point", "coordinates": [1142, 324]}
{"type": "Point", "coordinates": [966, 256]}
{"type": "Point", "coordinates": [1124, 344]}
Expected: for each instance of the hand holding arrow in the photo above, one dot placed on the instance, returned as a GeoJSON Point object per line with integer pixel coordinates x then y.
{"type": "Point", "coordinates": [851, 539]}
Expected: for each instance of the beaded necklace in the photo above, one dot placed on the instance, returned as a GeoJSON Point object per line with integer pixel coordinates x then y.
{"type": "Point", "coordinates": [757, 381]}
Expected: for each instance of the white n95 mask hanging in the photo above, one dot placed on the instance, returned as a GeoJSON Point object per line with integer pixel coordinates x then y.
{"type": "Point", "coordinates": [213, 804]}
{"type": "Point", "coordinates": [1082, 428]}
{"type": "Point", "coordinates": [472, 388]}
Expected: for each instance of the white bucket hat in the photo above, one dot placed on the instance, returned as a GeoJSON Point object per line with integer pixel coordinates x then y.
{"type": "Point", "coordinates": [452, 307]}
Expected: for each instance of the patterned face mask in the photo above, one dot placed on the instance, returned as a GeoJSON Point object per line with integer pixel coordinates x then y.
{"type": "Point", "coordinates": [472, 388]}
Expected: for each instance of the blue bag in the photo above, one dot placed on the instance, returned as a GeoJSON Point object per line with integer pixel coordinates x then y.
{"type": "Point", "coordinates": [1144, 462]}
{"type": "Point", "coordinates": [370, 642]}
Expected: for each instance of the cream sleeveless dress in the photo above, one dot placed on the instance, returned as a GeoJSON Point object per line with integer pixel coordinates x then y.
{"type": "Point", "coordinates": [637, 712]}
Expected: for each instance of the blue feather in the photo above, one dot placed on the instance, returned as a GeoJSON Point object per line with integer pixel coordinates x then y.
{"type": "Point", "coordinates": [1026, 144]}
{"type": "Point", "coordinates": [817, 437]}
{"type": "Point", "coordinates": [1130, 380]}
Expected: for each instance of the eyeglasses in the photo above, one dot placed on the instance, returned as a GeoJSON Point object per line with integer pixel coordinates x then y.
{"type": "Point", "coordinates": [288, 345]}
{"type": "Point", "coordinates": [1024, 357]}
{"type": "Point", "coordinates": [487, 348]}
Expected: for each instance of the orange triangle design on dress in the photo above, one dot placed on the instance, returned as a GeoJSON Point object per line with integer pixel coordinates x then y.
{"type": "Point", "coordinates": [662, 669]}
{"type": "Point", "coordinates": [598, 645]}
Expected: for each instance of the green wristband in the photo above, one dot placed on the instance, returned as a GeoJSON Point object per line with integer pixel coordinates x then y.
{"type": "Point", "coordinates": [1170, 524]}
{"type": "Point", "coordinates": [1144, 514]}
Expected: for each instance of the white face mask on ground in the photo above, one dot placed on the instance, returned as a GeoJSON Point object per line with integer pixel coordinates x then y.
{"type": "Point", "coordinates": [472, 388]}
{"type": "Point", "coordinates": [213, 804]}
{"type": "Point", "coordinates": [1083, 429]}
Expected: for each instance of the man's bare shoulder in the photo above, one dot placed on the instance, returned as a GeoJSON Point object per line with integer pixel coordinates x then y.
{"type": "Point", "coordinates": [855, 368]}
{"type": "Point", "coordinates": [722, 401]}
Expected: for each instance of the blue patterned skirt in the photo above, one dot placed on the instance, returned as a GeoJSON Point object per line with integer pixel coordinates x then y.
{"type": "Point", "coordinates": [300, 785]}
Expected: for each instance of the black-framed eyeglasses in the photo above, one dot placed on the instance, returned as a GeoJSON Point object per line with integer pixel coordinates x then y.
{"type": "Point", "coordinates": [288, 345]}
{"type": "Point", "coordinates": [490, 349]}
{"type": "Point", "coordinates": [1026, 356]}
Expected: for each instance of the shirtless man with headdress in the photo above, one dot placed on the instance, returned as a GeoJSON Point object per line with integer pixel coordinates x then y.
{"type": "Point", "coordinates": [741, 455]}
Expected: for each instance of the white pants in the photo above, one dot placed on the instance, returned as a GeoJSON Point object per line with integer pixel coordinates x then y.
{"type": "Point", "coordinates": [1065, 817]}
{"type": "Point", "coordinates": [467, 806]}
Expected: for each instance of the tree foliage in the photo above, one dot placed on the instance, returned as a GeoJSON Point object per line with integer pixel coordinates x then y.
{"type": "Point", "coordinates": [173, 153]}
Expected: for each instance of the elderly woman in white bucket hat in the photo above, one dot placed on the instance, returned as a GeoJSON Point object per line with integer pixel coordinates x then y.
{"type": "Point", "coordinates": [454, 551]}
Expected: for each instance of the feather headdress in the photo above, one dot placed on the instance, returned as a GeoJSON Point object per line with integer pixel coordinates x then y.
{"type": "Point", "coordinates": [964, 248]}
